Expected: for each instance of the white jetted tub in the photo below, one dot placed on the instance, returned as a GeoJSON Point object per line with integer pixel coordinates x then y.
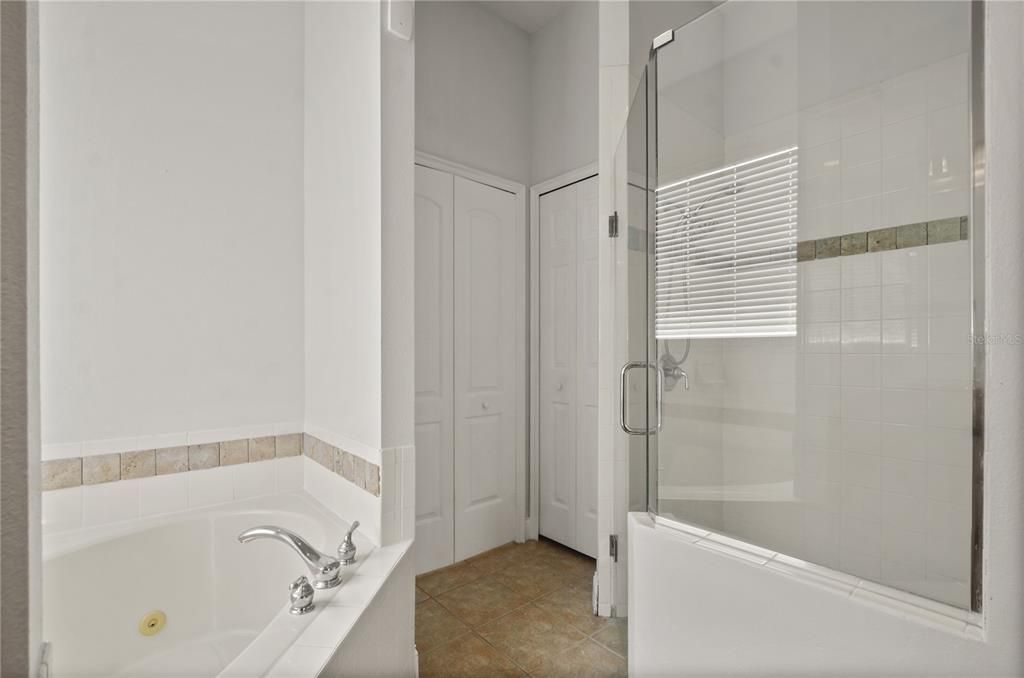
{"type": "Point", "coordinates": [226, 604]}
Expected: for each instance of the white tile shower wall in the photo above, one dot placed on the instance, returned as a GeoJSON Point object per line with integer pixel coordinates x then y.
{"type": "Point", "coordinates": [882, 368]}
{"type": "Point", "coordinates": [868, 419]}
{"type": "Point", "coordinates": [884, 446]}
{"type": "Point", "coordinates": [890, 154]}
{"type": "Point", "coordinates": [692, 435]}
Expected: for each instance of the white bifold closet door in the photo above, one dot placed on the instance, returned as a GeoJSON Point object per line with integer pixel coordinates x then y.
{"type": "Point", "coordinates": [465, 368]}
{"type": "Point", "coordinates": [435, 250]}
{"type": "Point", "coordinates": [569, 230]}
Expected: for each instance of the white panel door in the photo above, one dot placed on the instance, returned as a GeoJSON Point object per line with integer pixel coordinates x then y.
{"type": "Point", "coordinates": [434, 369]}
{"type": "Point", "coordinates": [589, 230]}
{"type": "Point", "coordinates": [485, 370]}
{"type": "Point", "coordinates": [558, 426]}
{"type": "Point", "coordinates": [569, 230]}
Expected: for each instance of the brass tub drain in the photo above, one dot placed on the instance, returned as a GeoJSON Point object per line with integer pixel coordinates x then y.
{"type": "Point", "coordinates": [152, 623]}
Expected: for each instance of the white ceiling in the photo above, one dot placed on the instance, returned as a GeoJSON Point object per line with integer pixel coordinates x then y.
{"type": "Point", "coordinates": [529, 15]}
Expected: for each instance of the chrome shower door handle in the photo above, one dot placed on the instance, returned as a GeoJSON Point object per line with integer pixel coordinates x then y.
{"type": "Point", "coordinates": [659, 394]}
{"type": "Point", "coordinates": [659, 391]}
{"type": "Point", "coordinates": [623, 424]}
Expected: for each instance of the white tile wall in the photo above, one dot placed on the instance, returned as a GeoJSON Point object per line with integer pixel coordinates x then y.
{"type": "Point", "coordinates": [867, 411]}
{"type": "Point", "coordinates": [890, 154]}
{"type": "Point", "coordinates": [158, 441]}
{"type": "Point", "coordinates": [398, 494]}
{"type": "Point", "coordinates": [90, 505]}
{"type": "Point", "coordinates": [901, 425]}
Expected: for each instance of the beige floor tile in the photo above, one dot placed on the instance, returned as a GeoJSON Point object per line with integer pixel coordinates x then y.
{"type": "Point", "coordinates": [481, 601]}
{"type": "Point", "coordinates": [583, 660]}
{"type": "Point", "coordinates": [436, 626]}
{"type": "Point", "coordinates": [534, 577]}
{"type": "Point", "coordinates": [466, 657]}
{"type": "Point", "coordinates": [614, 636]}
{"type": "Point", "coordinates": [497, 559]}
{"type": "Point", "coordinates": [573, 606]}
{"type": "Point", "coordinates": [570, 562]}
{"type": "Point", "coordinates": [530, 636]}
{"type": "Point", "coordinates": [447, 578]}
{"type": "Point", "coordinates": [491, 593]}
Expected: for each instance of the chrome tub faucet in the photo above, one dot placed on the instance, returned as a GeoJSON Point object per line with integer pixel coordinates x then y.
{"type": "Point", "coordinates": [347, 549]}
{"type": "Point", "coordinates": [324, 569]}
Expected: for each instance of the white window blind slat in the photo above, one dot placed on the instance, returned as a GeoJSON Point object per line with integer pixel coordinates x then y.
{"type": "Point", "coordinates": [725, 251]}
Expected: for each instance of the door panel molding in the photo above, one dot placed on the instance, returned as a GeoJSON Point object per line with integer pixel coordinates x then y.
{"type": "Point", "coordinates": [513, 406]}
{"type": "Point", "coordinates": [580, 372]}
{"type": "Point", "coordinates": [434, 433]}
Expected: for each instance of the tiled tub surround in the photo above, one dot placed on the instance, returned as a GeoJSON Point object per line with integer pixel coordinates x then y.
{"type": "Point", "coordinates": [104, 468]}
{"type": "Point", "coordinates": [353, 468]}
{"type": "Point", "coordinates": [245, 629]}
{"type": "Point", "coordinates": [106, 487]}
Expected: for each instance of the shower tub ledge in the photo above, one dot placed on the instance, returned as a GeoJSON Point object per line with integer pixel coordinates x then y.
{"type": "Point", "coordinates": [226, 603]}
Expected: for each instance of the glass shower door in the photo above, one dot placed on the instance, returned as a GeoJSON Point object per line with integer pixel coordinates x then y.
{"type": "Point", "coordinates": [809, 292]}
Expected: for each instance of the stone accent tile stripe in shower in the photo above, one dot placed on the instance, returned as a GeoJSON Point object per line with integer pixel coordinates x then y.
{"type": "Point", "coordinates": [353, 468]}
{"type": "Point", "coordinates": [943, 230]}
{"type": "Point", "coordinates": [853, 243]}
{"type": "Point", "coordinates": [880, 240]}
{"type": "Point", "coordinates": [105, 468]}
{"type": "Point", "coordinates": [826, 248]}
{"type": "Point", "coordinates": [805, 250]}
{"type": "Point", "coordinates": [911, 235]}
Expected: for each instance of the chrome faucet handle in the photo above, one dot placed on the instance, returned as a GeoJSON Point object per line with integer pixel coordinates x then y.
{"type": "Point", "coordinates": [301, 596]}
{"type": "Point", "coordinates": [324, 568]}
{"type": "Point", "coordinates": [347, 550]}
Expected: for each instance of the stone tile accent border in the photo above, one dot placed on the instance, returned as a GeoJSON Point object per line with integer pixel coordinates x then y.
{"type": "Point", "coordinates": [895, 237]}
{"type": "Point", "coordinates": [106, 468]}
{"type": "Point", "coordinates": [351, 467]}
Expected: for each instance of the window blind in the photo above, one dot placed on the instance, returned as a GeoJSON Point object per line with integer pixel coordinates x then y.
{"type": "Point", "coordinates": [725, 251]}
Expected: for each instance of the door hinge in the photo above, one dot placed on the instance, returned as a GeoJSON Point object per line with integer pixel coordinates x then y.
{"type": "Point", "coordinates": [613, 225]}
{"type": "Point", "coordinates": [613, 547]}
{"type": "Point", "coordinates": [662, 40]}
